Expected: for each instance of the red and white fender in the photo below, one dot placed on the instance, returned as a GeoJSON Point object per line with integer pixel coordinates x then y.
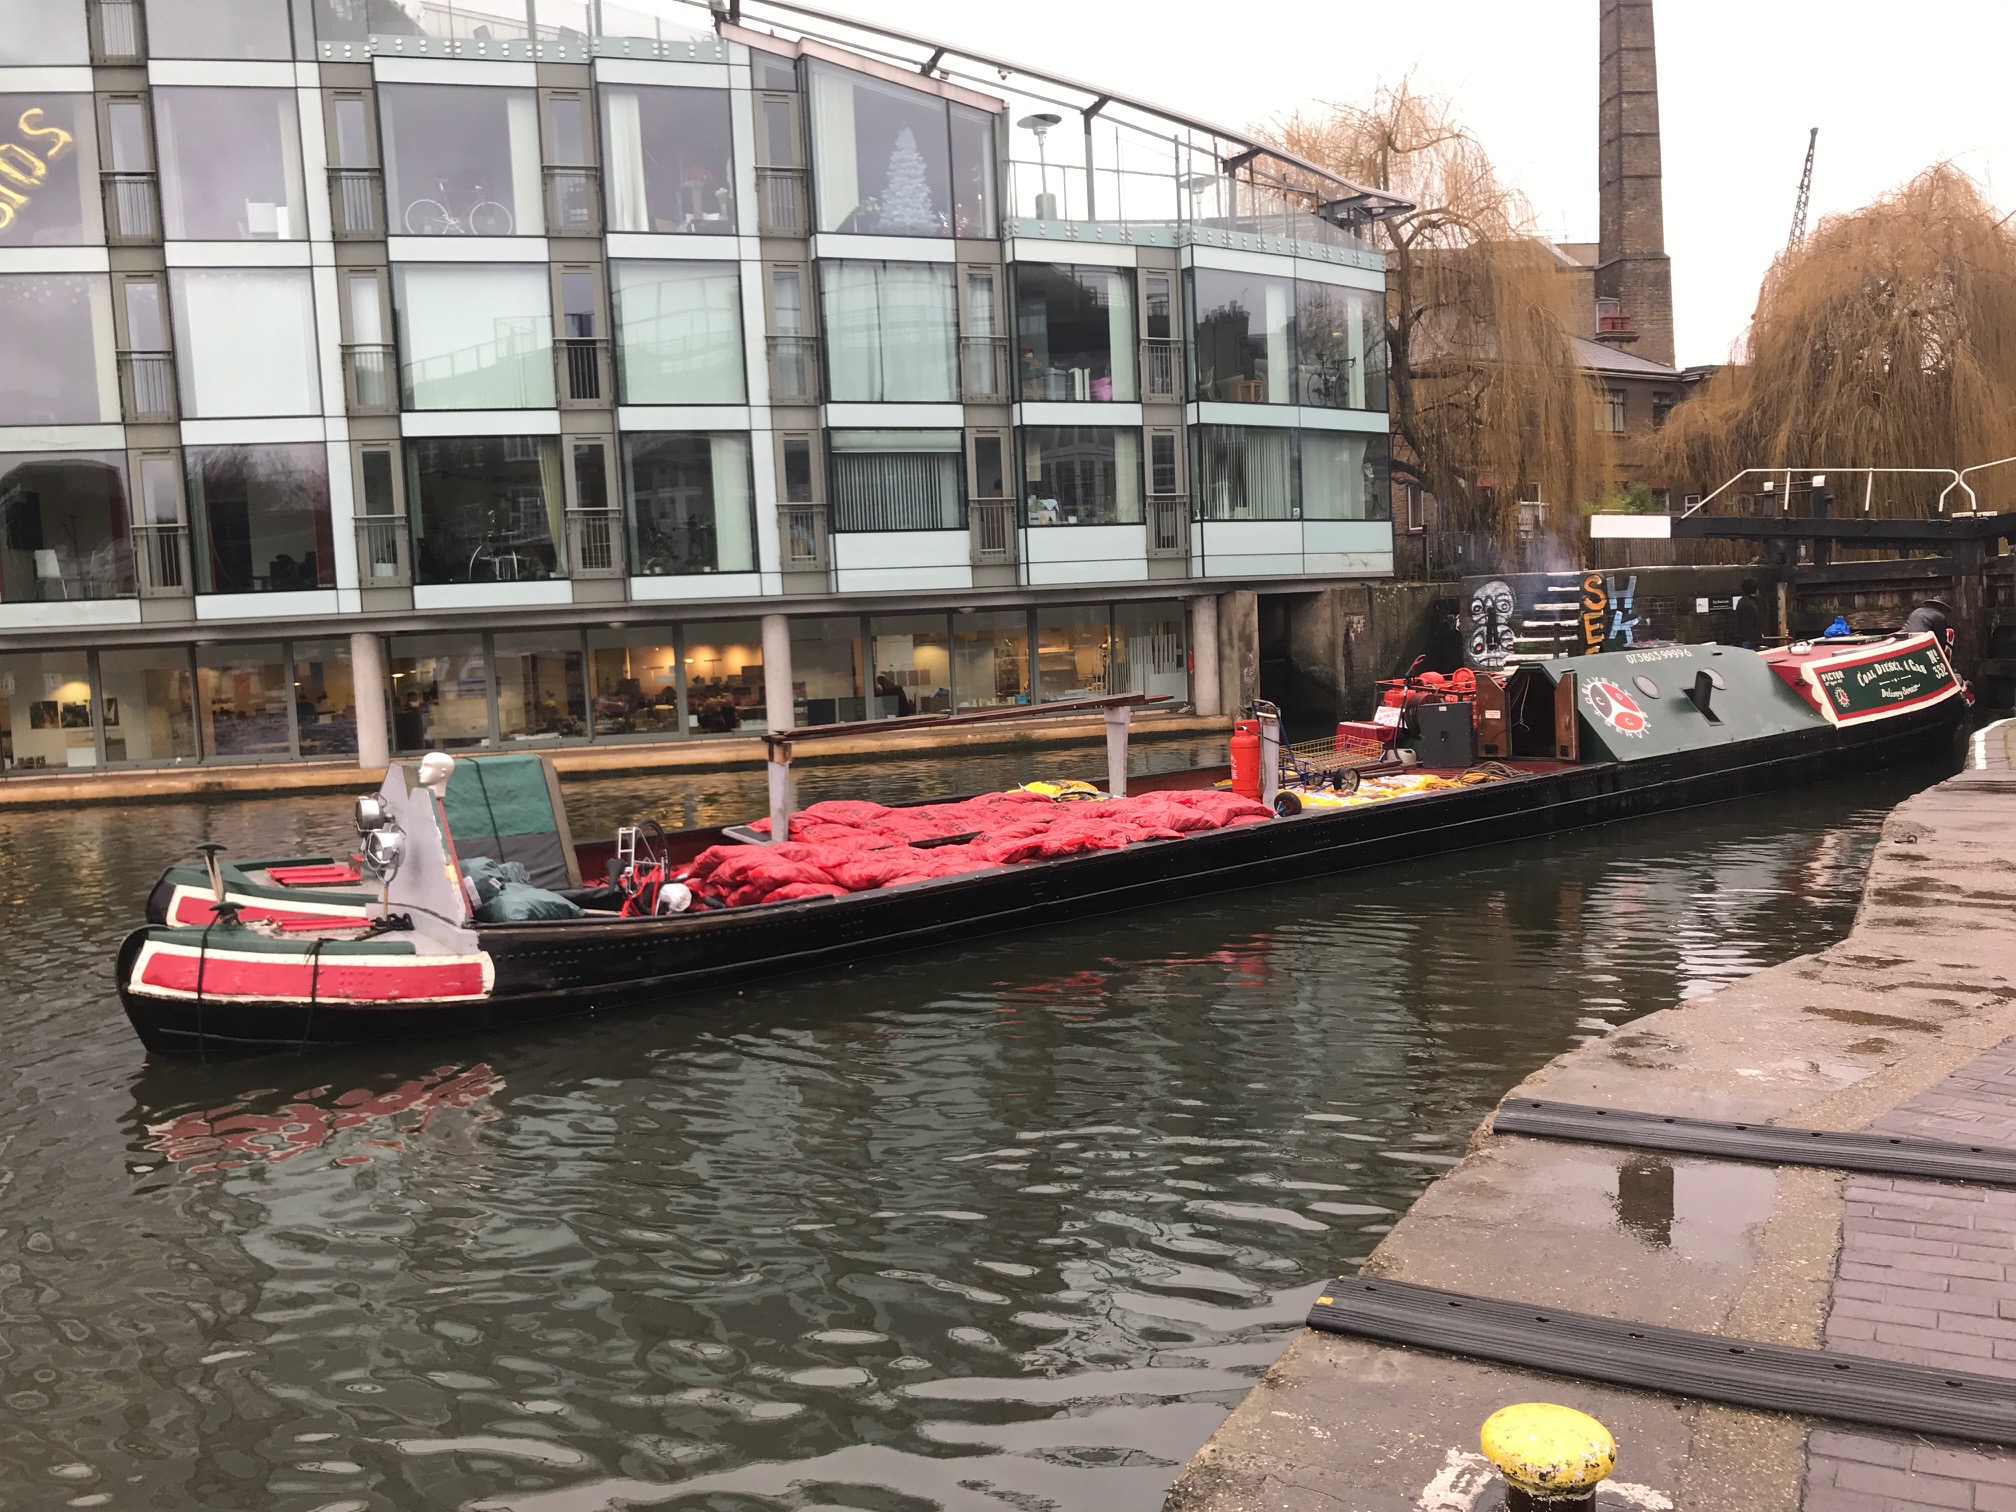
{"type": "Point", "coordinates": [172, 970]}
{"type": "Point", "coordinates": [194, 906]}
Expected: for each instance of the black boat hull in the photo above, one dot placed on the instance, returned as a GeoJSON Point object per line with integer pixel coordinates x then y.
{"type": "Point", "coordinates": [572, 969]}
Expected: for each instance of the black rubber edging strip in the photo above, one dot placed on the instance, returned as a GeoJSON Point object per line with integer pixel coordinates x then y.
{"type": "Point", "coordinates": [1885, 1154]}
{"type": "Point", "coordinates": [1740, 1372]}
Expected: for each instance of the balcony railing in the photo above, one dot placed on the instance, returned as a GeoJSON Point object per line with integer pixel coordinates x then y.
{"type": "Point", "coordinates": [993, 526]}
{"type": "Point", "coordinates": [780, 202]}
{"type": "Point", "coordinates": [357, 204]}
{"type": "Point", "coordinates": [573, 201]}
{"type": "Point", "coordinates": [1161, 369]}
{"type": "Point", "coordinates": [132, 210]}
{"type": "Point", "coordinates": [161, 561]}
{"type": "Point", "coordinates": [595, 543]}
{"type": "Point", "coordinates": [368, 374]}
{"type": "Point", "coordinates": [794, 369]}
{"type": "Point", "coordinates": [983, 369]}
{"type": "Point", "coordinates": [118, 34]}
{"type": "Point", "coordinates": [384, 552]}
{"type": "Point", "coordinates": [1169, 525]}
{"type": "Point", "coordinates": [582, 370]}
{"type": "Point", "coordinates": [806, 541]}
{"type": "Point", "coordinates": [147, 387]}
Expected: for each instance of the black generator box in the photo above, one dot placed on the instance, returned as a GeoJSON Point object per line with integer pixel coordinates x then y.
{"type": "Point", "coordinates": [1447, 739]}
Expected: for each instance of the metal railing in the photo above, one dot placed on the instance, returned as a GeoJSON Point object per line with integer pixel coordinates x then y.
{"type": "Point", "coordinates": [161, 561]}
{"type": "Point", "coordinates": [132, 210]}
{"type": "Point", "coordinates": [780, 202]}
{"type": "Point", "coordinates": [595, 543]}
{"type": "Point", "coordinates": [993, 527]}
{"type": "Point", "coordinates": [1161, 369]}
{"type": "Point", "coordinates": [582, 370]}
{"type": "Point", "coordinates": [118, 32]}
{"type": "Point", "coordinates": [794, 369]}
{"type": "Point", "coordinates": [983, 369]}
{"type": "Point", "coordinates": [147, 387]}
{"type": "Point", "coordinates": [368, 373]}
{"type": "Point", "coordinates": [573, 200]}
{"type": "Point", "coordinates": [357, 204]}
{"type": "Point", "coordinates": [806, 541]}
{"type": "Point", "coordinates": [384, 552]}
{"type": "Point", "coordinates": [1169, 525]}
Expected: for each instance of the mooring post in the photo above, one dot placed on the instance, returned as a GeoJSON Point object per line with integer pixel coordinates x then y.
{"type": "Point", "coordinates": [1117, 722]}
{"type": "Point", "coordinates": [780, 789]}
{"type": "Point", "coordinates": [1552, 1457]}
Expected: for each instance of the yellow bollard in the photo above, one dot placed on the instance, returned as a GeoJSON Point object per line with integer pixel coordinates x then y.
{"type": "Point", "coordinates": [1552, 1457]}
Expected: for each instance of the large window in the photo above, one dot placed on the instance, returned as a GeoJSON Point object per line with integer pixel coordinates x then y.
{"type": "Point", "coordinates": [669, 167]}
{"type": "Point", "coordinates": [242, 693]}
{"type": "Point", "coordinates": [45, 711]}
{"type": "Point", "coordinates": [892, 161]}
{"type": "Point", "coordinates": [1075, 332]}
{"type": "Point", "coordinates": [218, 29]}
{"type": "Point", "coordinates": [896, 480]}
{"type": "Point", "coordinates": [43, 32]}
{"type": "Point", "coordinates": [474, 20]}
{"type": "Point", "coordinates": [913, 665]}
{"type": "Point", "coordinates": [148, 704]}
{"type": "Point", "coordinates": [990, 658]}
{"type": "Point", "coordinates": [487, 509]}
{"type": "Point", "coordinates": [461, 160]}
{"type": "Point", "coordinates": [475, 335]}
{"type": "Point", "coordinates": [440, 692]}
{"type": "Point", "coordinates": [634, 676]}
{"type": "Point", "coordinates": [1081, 475]}
{"type": "Point", "coordinates": [724, 678]}
{"type": "Point", "coordinates": [59, 367]}
{"type": "Point", "coordinates": [1343, 476]}
{"type": "Point", "coordinates": [541, 686]}
{"type": "Point", "coordinates": [892, 332]}
{"type": "Point", "coordinates": [1150, 650]}
{"type": "Point", "coordinates": [63, 525]}
{"type": "Point", "coordinates": [679, 332]}
{"type": "Point", "coordinates": [1245, 337]}
{"type": "Point", "coordinates": [248, 341]}
{"type": "Point", "coordinates": [230, 164]}
{"type": "Point", "coordinates": [691, 504]}
{"type": "Point", "coordinates": [48, 154]}
{"type": "Point", "coordinates": [826, 671]}
{"type": "Point", "coordinates": [1340, 346]}
{"type": "Point", "coordinates": [325, 698]}
{"type": "Point", "coordinates": [261, 518]}
{"type": "Point", "coordinates": [1245, 472]}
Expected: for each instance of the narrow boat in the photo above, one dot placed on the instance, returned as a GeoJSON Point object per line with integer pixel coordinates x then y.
{"type": "Point", "coordinates": [399, 940]}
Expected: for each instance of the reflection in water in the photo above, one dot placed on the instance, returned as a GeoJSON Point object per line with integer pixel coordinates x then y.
{"type": "Point", "coordinates": [1013, 1225]}
{"type": "Point", "coordinates": [1645, 1198]}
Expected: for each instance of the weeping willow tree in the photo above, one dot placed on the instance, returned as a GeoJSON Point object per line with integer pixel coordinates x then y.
{"type": "Point", "coordinates": [1484, 389]}
{"type": "Point", "coordinates": [1887, 339]}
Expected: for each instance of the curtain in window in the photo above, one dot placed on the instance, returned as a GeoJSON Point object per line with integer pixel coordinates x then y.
{"type": "Point", "coordinates": [1118, 297]}
{"type": "Point", "coordinates": [475, 336]}
{"type": "Point", "coordinates": [1333, 475]}
{"type": "Point", "coordinates": [679, 332]}
{"type": "Point", "coordinates": [734, 524]}
{"type": "Point", "coordinates": [1280, 375]}
{"type": "Point", "coordinates": [853, 324]}
{"type": "Point", "coordinates": [896, 480]}
{"type": "Point", "coordinates": [891, 331]}
{"type": "Point", "coordinates": [1269, 489]}
{"type": "Point", "coordinates": [528, 206]}
{"type": "Point", "coordinates": [837, 178]}
{"type": "Point", "coordinates": [553, 487]}
{"type": "Point", "coordinates": [624, 172]}
{"type": "Point", "coordinates": [248, 342]}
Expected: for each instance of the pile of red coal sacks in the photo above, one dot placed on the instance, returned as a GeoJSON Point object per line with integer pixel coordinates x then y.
{"type": "Point", "coordinates": [844, 846]}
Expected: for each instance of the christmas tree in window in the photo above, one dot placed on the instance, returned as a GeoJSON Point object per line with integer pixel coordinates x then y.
{"type": "Point", "coordinates": [906, 201]}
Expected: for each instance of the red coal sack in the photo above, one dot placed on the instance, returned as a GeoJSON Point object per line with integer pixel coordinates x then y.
{"type": "Point", "coordinates": [792, 890]}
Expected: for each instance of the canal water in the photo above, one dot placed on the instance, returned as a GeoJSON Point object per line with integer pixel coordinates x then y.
{"type": "Point", "coordinates": [1011, 1226]}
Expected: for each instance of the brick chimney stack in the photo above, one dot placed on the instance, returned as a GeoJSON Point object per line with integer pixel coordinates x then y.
{"type": "Point", "coordinates": [1632, 267]}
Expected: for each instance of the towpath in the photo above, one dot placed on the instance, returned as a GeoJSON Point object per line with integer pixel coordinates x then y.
{"type": "Point", "coordinates": [1908, 1026]}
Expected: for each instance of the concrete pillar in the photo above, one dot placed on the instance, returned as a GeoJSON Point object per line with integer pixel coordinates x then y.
{"type": "Point", "coordinates": [1204, 690]}
{"type": "Point", "coordinates": [1238, 650]}
{"type": "Point", "coordinates": [778, 704]}
{"type": "Point", "coordinates": [371, 692]}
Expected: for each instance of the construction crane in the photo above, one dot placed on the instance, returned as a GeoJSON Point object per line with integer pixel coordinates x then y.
{"type": "Point", "coordinates": [1805, 192]}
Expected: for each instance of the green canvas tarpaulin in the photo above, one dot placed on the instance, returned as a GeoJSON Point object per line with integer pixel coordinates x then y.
{"type": "Point", "coordinates": [508, 807]}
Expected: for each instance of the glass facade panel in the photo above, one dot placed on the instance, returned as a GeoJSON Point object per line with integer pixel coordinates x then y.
{"type": "Point", "coordinates": [990, 658]}
{"type": "Point", "coordinates": [892, 332]}
{"type": "Point", "coordinates": [486, 509]}
{"type": "Point", "coordinates": [1074, 652]}
{"type": "Point", "coordinates": [541, 687]}
{"type": "Point", "coordinates": [669, 165]}
{"type": "Point", "coordinates": [440, 692]}
{"type": "Point", "coordinates": [63, 528]}
{"type": "Point", "coordinates": [1081, 475]}
{"type": "Point", "coordinates": [679, 332]}
{"type": "Point", "coordinates": [724, 677]}
{"type": "Point", "coordinates": [826, 671]}
{"type": "Point", "coordinates": [45, 711]}
{"type": "Point", "coordinates": [691, 503]}
{"type": "Point", "coordinates": [1344, 476]}
{"type": "Point", "coordinates": [1340, 347]}
{"type": "Point", "coordinates": [473, 20]}
{"type": "Point", "coordinates": [148, 704]}
{"type": "Point", "coordinates": [243, 695]}
{"type": "Point", "coordinates": [881, 156]}
{"type": "Point", "coordinates": [230, 163]}
{"type": "Point", "coordinates": [897, 480]}
{"type": "Point", "coordinates": [635, 677]}
{"type": "Point", "coordinates": [260, 517]}
{"type": "Point", "coordinates": [975, 207]}
{"type": "Point", "coordinates": [1075, 333]}
{"type": "Point", "coordinates": [48, 158]}
{"type": "Point", "coordinates": [1245, 472]}
{"type": "Point", "coordinates": [43, 32]}
{"type": "Point", "coordinates": [219, 29]}
{"type": "Point", "coordinates": [1151, 649]}
{"type": "Point", "coordinates": [248, 341]}
{"type": "Point", "coordinates": [475, 335]}
{"type": "Point", "coordinates": [913, 665]}
{"type": "Point", "coordinates": [59, 368]}
{"type": "Point", "coordinates": [1245, 337]}
{"type": "Point", "coordinates": [325, 698]}
{"type": "Point", "coordinates": [461, 160]}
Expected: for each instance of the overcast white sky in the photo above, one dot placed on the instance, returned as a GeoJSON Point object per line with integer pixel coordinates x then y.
{"type": "Point", "coordinates": [1892, 87]}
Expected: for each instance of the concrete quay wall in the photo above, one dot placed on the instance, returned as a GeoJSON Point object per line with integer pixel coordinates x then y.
{"type": "Point", "coordinates": [1908, 1025]}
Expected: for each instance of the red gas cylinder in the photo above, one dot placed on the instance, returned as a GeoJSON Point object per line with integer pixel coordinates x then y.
{"type": "Point", "coordinates": [1246, 759]}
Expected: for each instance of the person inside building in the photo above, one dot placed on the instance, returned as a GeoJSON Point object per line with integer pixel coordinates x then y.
{"type": "Point", "coordinates": [887, 688]}
{"type": "Point", "coordinates": [1931, 615]}
{"type": "Point", "coordinates": [1749, 616]}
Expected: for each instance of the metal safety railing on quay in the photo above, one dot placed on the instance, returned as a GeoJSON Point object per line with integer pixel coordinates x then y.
{"type": "Point", "coordinates": [794, 369]}
{"type": "Point", "coordinates": [147, 387]}
{"type": "Point", "coordinates": [583, 370]}
{"type": "Point", "coordinates": [594, 543]}
{"type": "Point", "coordinates": [368, 386]}
{"type": "Point", "coordinates": [983, 369]}
{"type": "Point", "coordinates": [1161, 370]}
{"type": "Point", "coordinates": [1117, 707]}
{"type": "Point", "coordinates": [992, 524]}
{"type": "Point", "coordinates": [161, 561]}
{"type": "Point", "coordinates": [132, 210]}
{"type": "Point", "coordinates": [806, 539]}
{"type": "Point", "coordinates": [356, 204]}
{"type": "Point", "coordinates": [1169, 525]}
{"type": "Point", "coordinates": [384, 552]}
{"type": "Point", "coordinates": [780, 202]}
{"type": "Point", "coordinates": [573, 200]}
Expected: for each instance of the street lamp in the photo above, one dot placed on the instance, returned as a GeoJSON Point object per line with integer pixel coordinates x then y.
{"type": "Point", "coordinates": [1040, 123]}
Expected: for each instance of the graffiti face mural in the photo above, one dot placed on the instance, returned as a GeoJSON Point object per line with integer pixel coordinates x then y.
{"type": "Point", "coordinates": [1491, 634]}
{"type": "Point", "coordinates": [1615, 707]}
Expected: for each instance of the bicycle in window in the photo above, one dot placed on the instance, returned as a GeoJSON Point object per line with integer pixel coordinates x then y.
{"type": "Point", "coordinates": [480, 217]}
